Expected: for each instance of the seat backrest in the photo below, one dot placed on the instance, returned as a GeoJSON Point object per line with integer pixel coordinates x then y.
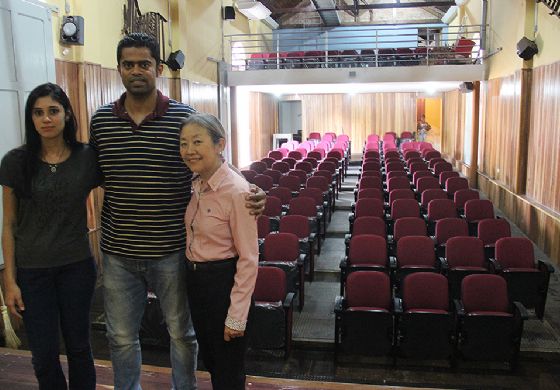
{"type": "Point", "coordinates": [296, 154]}
{"type": "Point", "coordinates": [371, 166]}
{"type": "Point", "coordinates": [430, 194]}
{"type": "Point", "coordinates": [407, 226]}
{"type": "Point", "coordinates": [443, 176]}
{"type": "Point", "coordinates": [318, 182]}
{"type": "Point", "coordinates": [281, 166]}
{"type": "Point", "coordinates": [369, 207]}
{"type": "Point", "coordinates": [393, 174]}
{"type": "Point", "coordinates": [416, 250]}
{"type": "Point", "coordinates": [411, 153]}
{"type": "Point", "coordinates": [248, 174]}
{"type": "Point", "coordinates": [441, 167]}
{"type": "Point", "coordinates": [281, 247]}
{"type": "Point", "coordinates": [273, 206]}
{"type": "Point", "coordinates": [268, 161]}
{"type": "Point", "coordinates": [398, 182]}
{"type": "Point", "coordinates": [291, 182]}
{"type": "Point", "coordinates": [417, 167]}
{"type": "Point", "coordinates": [394, 166]}
{"type": "Point", "coordinates": [290, 161]}
{"type": "Point", "coordinates": [275, 175]}
{"type": "Point", "coordinates": [430, 154]}
{"type": "Point", "coordinates": [478, 209]}
{"type": "Point", "coordinates": [460, 197]}
{"type": "Point", "coordinates": [371, 153]}
{"type": "Point", "coordinates": [282, 193]}
{"type": "Point", "coordinates": [315, 193]}
{"type": "Point", "coordinates": [310, 160]}
{"type": "Point", "coordinates": [370, 289]}
{"type": "Point", "coordinates": [450, 227]}
{"type": "Point", "coordinates": [426, 183]}
{"type": "Point", "coordinates": [400, 193]}
{"type": "Point", "coordinates": [314, 135]}
{"type": "Point", "coordinates": [263, 181]}
{"type": "Point", "coordinates": [369, 225]}
{"type": "Point", "coordinates": [304, 166]}
{"type": "Point", "coordinates": [464, 251]}
{"type": "Point", "coordinates": [453, 184]}
{"type": "Point", "coordinates": [425, 290]}
{"type": "Point", "coordinates": [303, 206]}
{"type": "Point", "coordinates": [276, 155]}
{"type": "Point", "coordinates": [484, 292]}
{"type": "Point", "coordinates": [375, 193]}
{"type": "Point", "coordinates": [316, 155]}
{"type": "Point", "coordinates": [327, 166]}
{"type": "Point", "coordinates": [404, 208]}
{"type": "Point", "coordinates": [296, 224]}
{"type": "Point", "coordinates": [441, 208]}
{"type": "Point", "coordinates": [515, 252]}
{"type": "Point", "coordinates": [263, 226]}
{"type": "Point", "coordinates": [270, 285]}
{"type": "Point", "coordinates": [434, 161]}
{"type": "Point", "coordinates": [258, 166]}
{"type": "Point", "coordinates": [491, 230]}
{"type": "Point", "coordinates": [299, 173]}
{"type": "Point", "coordinates": [418, 175]}
{"type": "Point", "coordinates": [370, 182]}
{"type": "Point", "coordinates": [375, 173]}
{"type": "Point", "coordinates": [368, 248]}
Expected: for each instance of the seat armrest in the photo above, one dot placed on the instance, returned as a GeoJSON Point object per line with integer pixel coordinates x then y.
{"type": "Point", "coordinates": [344, 262]}
{"type": "Point", "coordinates": [546, 267]}
{"type": "Point", "coordinates": [444, 266]}
{"type": "Point", "coordinates": [312, 237]}
{"type": "Point", "coordinates": [392, 263]}
{"type": "Point", "coordinates": [521, 310]}
{"type": "Point", "coordinates": [338, 304]}
{"type": "Point", "coordinates": [459, 309]}
{"type": "Point", "coordinates": [494, 265]}
{"type": "Point", "coordinates": [397, 305]}
{"type": "Point", "coordinates": [351, 217]}
{"type": "Point", "coordinates": [301, 260]}
{"type": "Point", "coordinates": [289, 301]}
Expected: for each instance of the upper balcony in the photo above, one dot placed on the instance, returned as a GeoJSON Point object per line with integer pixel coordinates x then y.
{"type": "Point", "coordinates": [395, 53]}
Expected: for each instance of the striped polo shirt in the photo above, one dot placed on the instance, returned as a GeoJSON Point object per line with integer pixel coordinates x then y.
{"type": "Point", "coordinates": [147, 184]}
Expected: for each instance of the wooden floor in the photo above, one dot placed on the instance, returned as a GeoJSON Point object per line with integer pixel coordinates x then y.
{"type": "Point", "coordinates": [16, 373]}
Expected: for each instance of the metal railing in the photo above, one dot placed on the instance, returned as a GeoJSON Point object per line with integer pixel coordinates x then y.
{"type": "Point", "coordinates": [356, 47]}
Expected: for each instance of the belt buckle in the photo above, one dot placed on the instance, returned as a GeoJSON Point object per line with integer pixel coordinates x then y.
{"type": "Point", "coordinates": [194, 266]}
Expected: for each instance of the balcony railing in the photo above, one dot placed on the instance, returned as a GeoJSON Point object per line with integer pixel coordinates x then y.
{"type": "Point", "coordinates": [359, 47]}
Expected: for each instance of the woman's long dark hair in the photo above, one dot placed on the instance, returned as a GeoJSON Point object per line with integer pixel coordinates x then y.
{"type": "Point", "coordinates": [33, 139]}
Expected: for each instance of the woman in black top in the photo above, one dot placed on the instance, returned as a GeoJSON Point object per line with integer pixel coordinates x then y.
{"type": "Point", "coordinates": [49, 272]}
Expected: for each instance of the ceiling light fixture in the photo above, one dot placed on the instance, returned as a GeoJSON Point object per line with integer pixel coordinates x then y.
{"type": "Point", "coordinates": [253, 10]}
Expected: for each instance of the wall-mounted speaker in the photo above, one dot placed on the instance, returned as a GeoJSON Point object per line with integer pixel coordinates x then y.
{"type": "Point", "coordinates": [176, 60]}
{"type": "Point", "coordinates": [466, 87]}
{"type": "Point", "coordinates": [72, 30]}
{"type": "Point", "coordinates": [229, 12]}
{"type": "Point", "coordinates": [526, 48]}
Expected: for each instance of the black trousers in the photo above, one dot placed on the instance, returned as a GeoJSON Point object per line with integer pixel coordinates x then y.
{"type": "Point", "coordinates": [209, 286]}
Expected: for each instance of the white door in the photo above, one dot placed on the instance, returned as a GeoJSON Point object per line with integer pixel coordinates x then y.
{"type": "Point", "coordinates": [26, 61]}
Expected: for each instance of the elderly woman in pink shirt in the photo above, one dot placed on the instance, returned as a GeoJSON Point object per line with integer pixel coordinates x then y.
{"type": "Point", "coordinates": [222, 252]}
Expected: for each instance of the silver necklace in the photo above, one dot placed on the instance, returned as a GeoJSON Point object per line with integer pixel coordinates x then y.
{"type": "Point", "coordinates": [54, 167]}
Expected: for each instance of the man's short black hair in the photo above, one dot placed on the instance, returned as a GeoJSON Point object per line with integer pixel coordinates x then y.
{"type": "Point", "coordinates": [139, 40]}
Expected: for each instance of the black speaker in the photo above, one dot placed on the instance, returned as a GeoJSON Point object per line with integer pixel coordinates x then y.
{"type": "Point", "coordinates": [466, 87]}
{"type": "Point", "coordinates": [229, 12]}
{"type": "Point", "coordinates": [72, 30]}
{"type": "Point", "coordinates": [176, 60]}
{"type": "Point", "coordinates": [526, 48]}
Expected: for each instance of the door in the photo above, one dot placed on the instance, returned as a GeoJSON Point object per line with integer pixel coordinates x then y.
{"type": "Point", "coordinates": [27, 60]}
{"type": "Point", "coordinates": [290, 116]}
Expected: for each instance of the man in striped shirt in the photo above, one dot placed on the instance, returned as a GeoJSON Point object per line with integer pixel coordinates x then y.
{"type": "Point", "coordinates": [147, 189]}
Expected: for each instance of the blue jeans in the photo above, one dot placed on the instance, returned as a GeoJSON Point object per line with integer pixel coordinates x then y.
{"type": "Point", "coordinates": [125, 284]}
{"type": "Point", "coordinates": [52, 296]}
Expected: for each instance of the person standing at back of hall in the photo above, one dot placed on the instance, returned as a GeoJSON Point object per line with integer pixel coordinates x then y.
{"type": "Point", "coordinates": [147, 189]}
{"type": "Point", "coordinates": [49, 275]}
{"type": "Point", "coordinates": [422, 128]}
{"type": "Point", "coordinates": [222, 252]}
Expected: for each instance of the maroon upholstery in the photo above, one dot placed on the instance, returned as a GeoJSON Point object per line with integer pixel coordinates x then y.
{"type": "Point", "coordinates": [367, 250]}
{"type": "Point", "coordinates": [431, 194]}
{"type": "Point", "coordinates": [427, 183]}
{"type": "Point", "coordinates": [369, 225]}
{"type": "Point", "coordinates": [276, 155]}
{"type": "Point", "coordinates": [441, 167]}
{"type": "Point", "coordinates": [404, 208]}
{"type": "Point", "coordinates": [248, 174]}
{"type": "Point", "coordinates": [263, 226]}
{"type": "Point", "coordinates": [318, 182]}
{"type": "Point", "coordinates": [281, 247]}
{"type": "Point", "coordinates": [258, 166]}
{"type": "Point", "coordinates": [275, 175]}
{"type": "Point", "coordinates": [417, 175]}
{"type": "Point", "coordinates": [443, 176]}
{"type": "Point", "coordinates": [290, 161]}
{"type": "Point", "coordinates": [281, 166]}
{"type": "Point", "coordinates": [491, 230]}
{"type": "Point", "coordinates": [515, 253]}
{"type": "Point", "coordinates": [371, 153]}
{"type": "Point", "coordinates": [432, 154]}
{"type": "Point", "coordinates": [450, 227]}
{"type": "Point", "coordinates": [375, 193]}
{"type": "Point", "coordinates": [369, 182]}
{"type": "Point", "coordinates": [368, 289]}
{"type": "Point", "coordinates": [478, 209]}
{"type": "Point", "coordinates": [394, 174]}
{"type": "Point", "coordinates": [483, 293]}
{"type": "Point", "coordinates": [407, 226]}
{"type": "Point", "coordinates": [270, 285]}
{"type": "Point", "coordinates": [425, 291]}
{"type": "Point", "coordinates": [411, 154]}
{"type": "Point", "coordinates": [394, 166]}
{"type": "Point", "coordinates": [465, 253]}
{"type": "Point", "coordinates": [296, 155]}
{"type": "Point", "coordinates": [397, 183]}
{"type": "Point", "coordinates": [316, 155]}
{"type": "Point", "coordinates": [291, 182]}
{"type": "Point", "coordinates": [417, 167]}
{"type": "Point", "coordinates": [374, 173]}
{"type": "Point", "coordinates": [434, 161]}
{"type": "Point", "coordinates": [310, 160]}
{"type": "Point", "coordinates": [263, 181]}
{"type": "Point", "coordinates": [401, 193]}
{"type": "Point", "coordinates": [299, 173]}
{"type": "Point", "coordinates": [314, 135]}
{"type": "Point", "coordinates": [282, 193]}
{"type": "Point", "coordinates": [441, 208]}
{"type": "Point", "coordinates": [460, 197]}
{"type": "Point", "coordinates": [268, 161]}
{"type": "Point", "coordinates": [369, 207]}
{"type": "Point", "coordinates": [416, 251]}
{"type": "Point", "coordinates": [296, 224]}
{"type": "Point", "coordinates": [303, 206]}
{"type": "Point", "coordinates": [273, 206]}
{"type": "Point", "coordinates": [454, 184]}
{"type": "Point", "coordinates": [371, 166]}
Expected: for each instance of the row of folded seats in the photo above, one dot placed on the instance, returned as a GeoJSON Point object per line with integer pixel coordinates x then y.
{"type": "Point", "coordinates": [360, 58]}
{"type": "Point", "coordinates": [422, 322]}
{"type": "Point", "coordinates": [302, 186]}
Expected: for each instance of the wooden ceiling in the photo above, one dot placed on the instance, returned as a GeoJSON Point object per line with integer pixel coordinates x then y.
{"type": "Point", "coordinates": [304, 13]}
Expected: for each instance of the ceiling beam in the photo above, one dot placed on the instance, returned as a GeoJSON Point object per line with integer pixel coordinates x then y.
{"type": "Point", "coordinates": [373, 6]}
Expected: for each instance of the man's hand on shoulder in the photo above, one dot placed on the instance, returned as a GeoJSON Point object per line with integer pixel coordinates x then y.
{"type": "Point", "coordinates": [256, 201]}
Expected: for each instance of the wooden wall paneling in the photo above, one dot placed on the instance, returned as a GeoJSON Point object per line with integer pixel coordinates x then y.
{"type": "Point", "coordinates": [164, 85]}
{"type": "Point", "coordinates": [204, 97]}
{"type": "Point", "coordinates": [543, 162]}
{"type": "Point", "coordinates": [502, 123]}
{"type": "Point", "coordinates": [111, 87]}
{"type": "Point", "coordinates": [473, 169]}
{"type": "Point", "coordinates": [70, 78]}
{"type": "Point", "coordinates": [520, 182]}
{"type": "Point", "coordinates": [185, 98]}
{"type": "Point", "coordinates": [263, 122]}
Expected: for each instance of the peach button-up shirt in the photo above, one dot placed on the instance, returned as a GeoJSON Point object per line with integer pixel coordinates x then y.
{"type": "Point", "coordinates": [219, 227]}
